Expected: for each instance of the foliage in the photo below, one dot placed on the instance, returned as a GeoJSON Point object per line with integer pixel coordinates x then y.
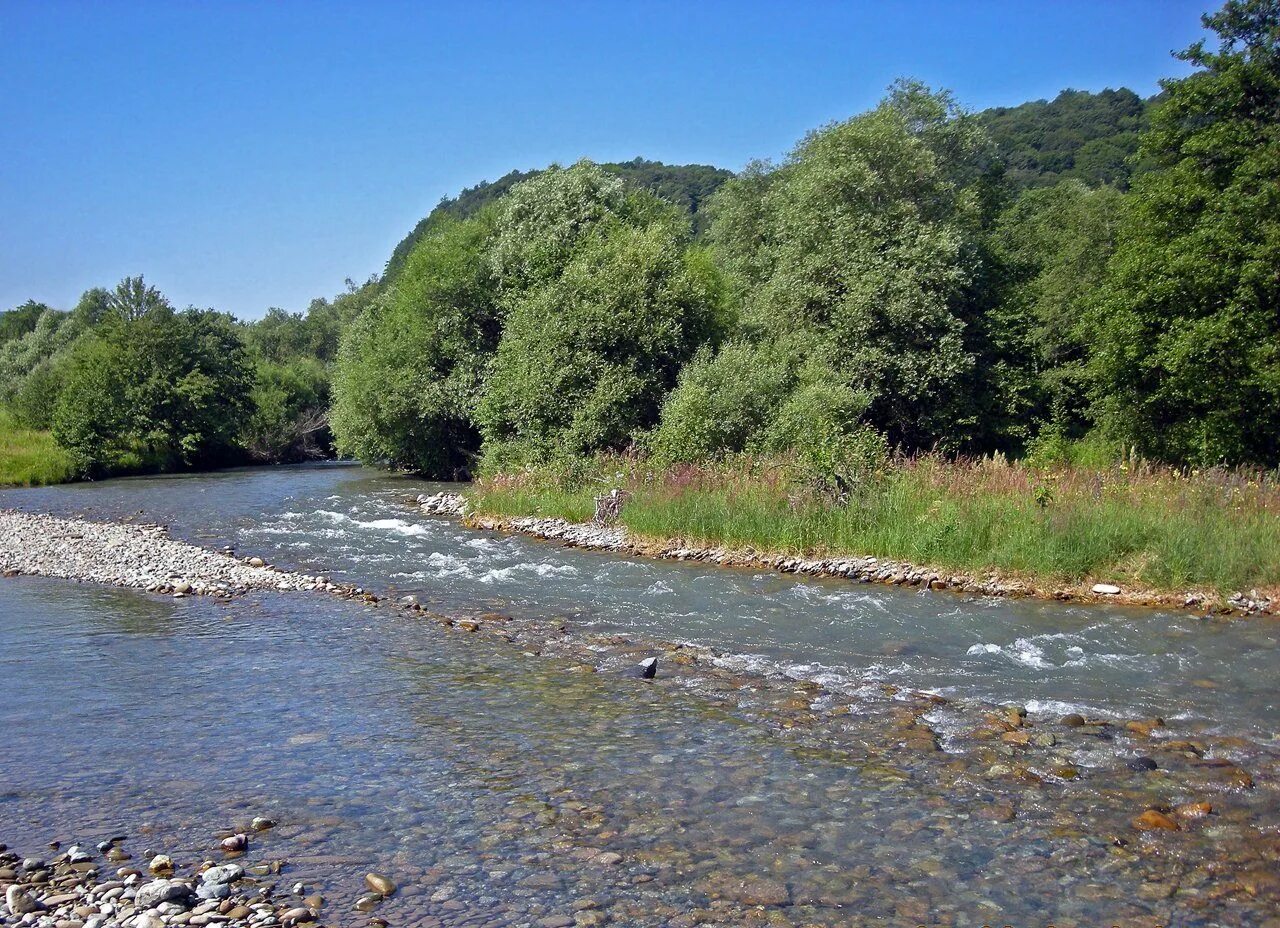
{"type": "Point", "coordinates": [688, 186]}
{"type": "Point", "coordinates": [20, 320]}
{"type": "Point", "coordinates": [724, 401]}
{"type": "Point", "coordinates": [1052, 245]}
{"type": "Point", "coordinates": [409, 370]}
{"type": "Point", "coordinates": [288, 418]}
{"type": "Point", "coordinates": [1187, 351]}
{"type": "Point", "coordinates": [865, 242]}
{"type": "Point", "coordinates": [158, 390]}
{"type": "Point", "coordinates": [604, 303]}
{"type": "Point", "coordinates": [1082, 136]}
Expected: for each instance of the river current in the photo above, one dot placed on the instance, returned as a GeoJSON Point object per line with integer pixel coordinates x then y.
{"type": "Point", "coordinates": [488, 781]}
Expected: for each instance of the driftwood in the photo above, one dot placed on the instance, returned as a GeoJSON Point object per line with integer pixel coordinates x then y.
{"type": "Point", "coordinates": [609, 508]}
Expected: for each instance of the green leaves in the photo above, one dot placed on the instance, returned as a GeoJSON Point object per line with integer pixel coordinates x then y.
{"type": "Point", "coordinates": [1185, 363]}
{"type": "Point", "coordinates": [160, 390]}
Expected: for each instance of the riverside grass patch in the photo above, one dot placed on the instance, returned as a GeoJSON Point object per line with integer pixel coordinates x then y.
{"type": "Point", "coordinates": [1134, 524]}
{"type": "Point", "coordinates": [29, 457]}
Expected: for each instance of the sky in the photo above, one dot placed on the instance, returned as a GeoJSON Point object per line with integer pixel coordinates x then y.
{"type": "Point", "coordinates": [249, 155]}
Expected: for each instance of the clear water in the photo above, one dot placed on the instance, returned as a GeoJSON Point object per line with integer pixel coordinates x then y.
{"type": "Point", "coordinates": [1050, 657]}
{"type": "Point", "coordinates": [485, 781]}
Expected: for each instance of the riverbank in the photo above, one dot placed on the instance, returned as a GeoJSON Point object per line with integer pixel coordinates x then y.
{"type": "Point", "coordinates": [103, 885]}
{"type": "Point", "coordinates": [1140, 535]}
{"type": "Point", "coordinates": [29, 457]}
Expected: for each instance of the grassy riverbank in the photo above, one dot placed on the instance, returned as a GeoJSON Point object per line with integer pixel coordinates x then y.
{"type": "Point", "coordinates": [30, 458]}
{"type": "Point", "coordinates": [1135, 525]}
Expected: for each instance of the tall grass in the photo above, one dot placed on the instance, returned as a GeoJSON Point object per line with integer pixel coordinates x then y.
{"type": "Point", "coordinates": [1134, 524]}
{"type": "Point", "coordinates": [29, 457]}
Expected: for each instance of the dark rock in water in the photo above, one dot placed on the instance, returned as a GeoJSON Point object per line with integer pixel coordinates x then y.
{"type": "Point", "coordinates": [648, 668]}
{"type": "Point", "coordinates": [1074, 720]}
{"type": "Point", "coordinates": [1142, 763]}
{"type": "Point", "coordinates": [235, 843]}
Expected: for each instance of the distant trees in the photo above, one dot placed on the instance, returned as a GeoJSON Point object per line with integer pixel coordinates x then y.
{"type": "Point", "coordinates": [128, 384]}
{"type": "Point", "coordinates": [1088, 137]}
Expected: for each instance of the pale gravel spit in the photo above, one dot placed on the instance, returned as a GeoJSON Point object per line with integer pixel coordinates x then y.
{"type": "Point", "coordinates": [136, 556]}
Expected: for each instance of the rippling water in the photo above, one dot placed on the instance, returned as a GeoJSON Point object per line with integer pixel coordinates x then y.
{"type": "Point", "coordinates": [485, 781]}
{"type": "Point", "coordinates": [1050, 657]}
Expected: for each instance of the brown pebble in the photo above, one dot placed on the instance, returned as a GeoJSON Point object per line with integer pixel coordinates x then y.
{"type": "Point", "coordinates": [1153, 820]}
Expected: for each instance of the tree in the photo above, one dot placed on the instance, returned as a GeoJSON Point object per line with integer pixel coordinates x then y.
{"type": "Point", "coordinates": [20, 320]}
{"type": "Point", "coordinates": [863, 247]}
{"type": "Point", "coordinates": [133, 298]}
{"type": "Point", "coordinates": [156, 391]}
{"type": "Point", "coordinates": [589, 352]}
{"type": "Point", "coordinates": [1187, 358]}
{"type": "Point", "coordinates": [1052, 246]}
{"type": "Point", "coordinates": [410, 367]}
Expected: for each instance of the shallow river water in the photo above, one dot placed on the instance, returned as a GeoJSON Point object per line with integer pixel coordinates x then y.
{"type": "Point", "coordinates": [487, 780]}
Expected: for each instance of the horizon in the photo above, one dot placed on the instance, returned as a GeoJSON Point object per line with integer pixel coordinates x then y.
{"type": "Point", "coordinates": [246, 157]}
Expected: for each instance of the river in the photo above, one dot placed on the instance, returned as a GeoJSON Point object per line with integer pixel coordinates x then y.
{"type": "Point", "coordinates": [488, 780]}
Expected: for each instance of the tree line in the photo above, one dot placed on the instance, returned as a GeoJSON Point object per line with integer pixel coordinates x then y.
{"type": "Point", "coordinates": [898, 280]}
{"type": "Point", "coordinates": [1092, 272]}
{"type": "Point", "coordinates": [129, 384]}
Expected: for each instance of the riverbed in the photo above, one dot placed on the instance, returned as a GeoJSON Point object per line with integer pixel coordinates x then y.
{"type": "Point", "coordinates": [788, 783]}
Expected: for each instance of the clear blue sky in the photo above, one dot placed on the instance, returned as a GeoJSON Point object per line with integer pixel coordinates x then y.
{"type": "Point", "coordinates": [246, 155]}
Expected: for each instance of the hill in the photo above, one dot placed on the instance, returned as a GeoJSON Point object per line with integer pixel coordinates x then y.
{"type": "Point", "coordinates": [686, 185]}
{"type": "Point", "coordinates": [1079, 135]}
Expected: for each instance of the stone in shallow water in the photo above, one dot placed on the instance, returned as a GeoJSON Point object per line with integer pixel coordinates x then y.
{"type": "Point", "coordinates": [227, 873]}
{"type": "Point", "coordinates": [1155, 820]}
{"type": "Point", "coordinates": [648, 668]}
{"type": "Point", "coordinates": [158, 891]}
{"type": "Point", "coordinates": [1142, 763]}
{"type": "Point", "coordinates": [380, 884]}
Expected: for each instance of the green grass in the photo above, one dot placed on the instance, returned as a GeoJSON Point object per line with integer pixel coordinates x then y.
{"type": "Point", "coordinates": [30, 458]}
{"type": "Point", "coordinates": [1158, 529]}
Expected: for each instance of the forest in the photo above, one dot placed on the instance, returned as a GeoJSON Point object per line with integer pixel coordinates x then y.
{"type": "Point", "coordinates": [1087, 278]}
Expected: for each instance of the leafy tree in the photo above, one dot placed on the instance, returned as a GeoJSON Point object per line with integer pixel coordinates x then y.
{"type": "Point", "coordinates": [604, 302]}
{"type": "Point", "coordinates": [1187, 358]}
{"type": "Point", "coordinates": [1052, 246]}
{"type": "Point", "coordinates": [156, 390]}
{"type": "Point", "coordinates": [866, 242]}
{"type": "Point", "coordinates": [410, 366]}
{"type": "Point", "coordinates": [725, 401]}
{"type": "Point", "coordinates": [289, 405]}
{"type": "Point", "coordinates": [134, 298]}
{"type": "Point", "coordinates": [20, 320]}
